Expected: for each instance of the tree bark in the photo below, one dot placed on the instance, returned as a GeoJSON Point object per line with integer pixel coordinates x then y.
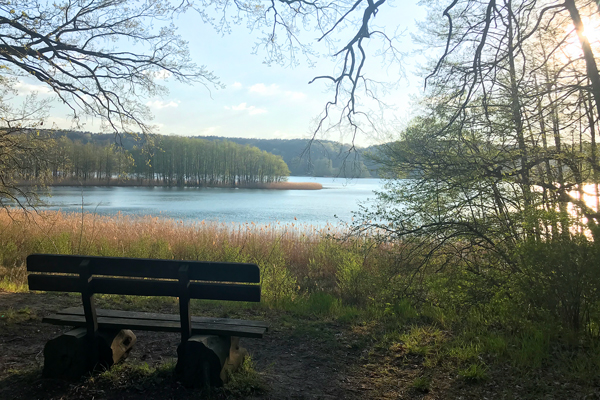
{"type": "Point", "coordinates": [207, 360]}
{"type": "Point", "coordinates": [588, 54]}
{"type": "Point", "coordinates": [67, 356]}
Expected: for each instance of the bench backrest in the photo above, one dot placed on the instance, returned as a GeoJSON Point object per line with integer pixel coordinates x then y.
{"type": "Point", "coordinates": [143, 277]}
{"type": "Point", "coordinates": [117, 275]}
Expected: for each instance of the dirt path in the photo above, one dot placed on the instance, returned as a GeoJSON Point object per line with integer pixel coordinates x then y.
{"type": "Point", "coordinates": [292, 362]}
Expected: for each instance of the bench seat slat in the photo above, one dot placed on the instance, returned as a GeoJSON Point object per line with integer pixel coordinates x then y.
{"type": "Point", "coordinates": [145, 268]}
{"type": "Point", "coordinates": [158, 325]}
{"type": "Point", "coordinates": [146, 287]}
{"type": "Point", "coordinates": [78, 311]}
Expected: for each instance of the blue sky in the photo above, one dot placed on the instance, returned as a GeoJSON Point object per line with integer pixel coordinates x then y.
{"type": "Point", "coordinates": [263, 101]}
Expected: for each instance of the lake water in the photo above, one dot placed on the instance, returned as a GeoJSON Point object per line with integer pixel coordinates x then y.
{"type": "Point", "coordinates": [333, 204]}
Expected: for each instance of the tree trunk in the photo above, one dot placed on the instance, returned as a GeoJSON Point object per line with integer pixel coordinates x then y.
{"type": "Point", "coordinates": [67, 355]}
{"type": "Point", "coordinates": [205, 361]}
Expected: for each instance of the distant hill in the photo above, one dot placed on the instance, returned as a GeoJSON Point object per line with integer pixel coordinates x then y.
{"type": "Point", "coordinates": [321, 158]}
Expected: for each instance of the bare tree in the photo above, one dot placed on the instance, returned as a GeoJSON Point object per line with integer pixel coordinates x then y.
{"type": "Point", "coordinates": [98, 56]}
{"type": "Point", "coordinates": [343, 26]}
{"type": "Point", "coordinates": [101, 58]}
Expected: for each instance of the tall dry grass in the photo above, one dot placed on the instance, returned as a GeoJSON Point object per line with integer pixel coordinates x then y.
{"type": "Point", "coordinates": [295, 259]}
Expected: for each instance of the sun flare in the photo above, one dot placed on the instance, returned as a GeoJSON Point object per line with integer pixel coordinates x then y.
{"type": "Point", "coordinates": [591, 31]}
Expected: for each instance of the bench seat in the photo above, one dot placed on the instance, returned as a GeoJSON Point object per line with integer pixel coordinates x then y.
{"type": "Point", "coordinates": [115, 319]}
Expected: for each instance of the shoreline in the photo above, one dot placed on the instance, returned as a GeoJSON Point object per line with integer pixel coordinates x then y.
{"type": "Point", "coordinates": [263, 186]}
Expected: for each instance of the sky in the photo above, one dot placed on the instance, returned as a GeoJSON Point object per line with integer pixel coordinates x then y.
{"type": "Point", "coordinates": [261, 101]}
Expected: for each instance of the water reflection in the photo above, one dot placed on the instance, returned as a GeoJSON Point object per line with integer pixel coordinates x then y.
{"type": "Point", "coordinates": [335, 203]}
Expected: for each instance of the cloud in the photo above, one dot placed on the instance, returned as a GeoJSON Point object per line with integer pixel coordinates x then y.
{"type": "Point", "coordinates": [28, 88]}
{"type": "Point", "coordinates": [159, 104]}
{"type": "Point", "coordinates": [210, 131]}
{"type": "Point", "coordinates": [236, 85]}
{"type": "Point", "coordinates": [264, 90]}
{"type": "Point", "coordinates": [274, 90]}
{"type": "Point", "coordinates": [252, 110]}
{"type": "Point", "coordinates": [295, 95]}
{"type": "Point", "coordinates": [59, 122]}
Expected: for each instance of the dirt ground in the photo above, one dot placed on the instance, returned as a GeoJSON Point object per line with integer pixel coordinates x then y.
{"type": "Point", "coordinates": [299, 358]}
{"type": "Point", "coordinates": [289, 365]}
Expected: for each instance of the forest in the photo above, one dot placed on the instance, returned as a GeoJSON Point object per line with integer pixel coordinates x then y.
{"type": "Point", "coordinates": [303, 158]}
{"type": "Point", "coordinates": [319, 158]}
{"type": "Point", "coordinates": [156, 160]}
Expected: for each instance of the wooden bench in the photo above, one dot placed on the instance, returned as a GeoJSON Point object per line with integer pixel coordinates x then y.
{"type": "Point", "coordinates": [209, 347]}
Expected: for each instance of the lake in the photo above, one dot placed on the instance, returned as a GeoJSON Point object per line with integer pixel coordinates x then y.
{"type": "Point", "coordinates": [332, 204]}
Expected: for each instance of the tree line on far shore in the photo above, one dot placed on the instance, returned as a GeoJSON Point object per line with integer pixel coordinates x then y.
{"type": "Point", "coordinates": [156, 160]}
{"type": "Point", "coordinates": [322, 158]}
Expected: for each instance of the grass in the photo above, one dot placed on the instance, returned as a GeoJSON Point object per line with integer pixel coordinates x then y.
{"type": "Point", "coordinates": [121, 375]}
{"type": "Point", "coordinates": [8, 285]}
{"type": "Point", "coordinates": [474, 373]}
{"type": "Point", "coordinates": [12, 316]}
{"type": "Point", "coordinates": [422, 384]}
{"type": "Point", "coordinates": [245, 381]}
{"type": "Point", "coordinates": [310, 280]}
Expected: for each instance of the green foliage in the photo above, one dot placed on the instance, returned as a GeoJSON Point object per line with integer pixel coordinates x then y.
{"type": "Point", "coordinates": [423, 340]}
{"type": "Point", "coordinates": [422, 384]}
{"type": "Point", "coordinates": [531, 348]}
{"type": "Point", "coordinates": [475, 372]}
{"type": "Point", "coordinates": [278, 284]}
{"type": "Point", "coordinates": [12, 285]}
{"type": "Point", "coordinates": [12, 316]}
{"type": "Point", "coordinates": [320, 304]}
{"type": "Point", "coordinates": [584, 364]}
{"type": "Point", "coordinates": [402, 309]}
{"type": "Point", "coordinates": [560, 277]}
{"type": "Point", "coordinates": [354, 281]}
{"type": "Point", "coordinates": [142, 375]}
{"type": "Point", "coordinates": [342, 270]}
{"type": "Point", "coordinates": [8, 254]}
{"type": "Point", "coordinates": [232, 253]}
{"type": "Point", "coordinates": [167, 160]}
{"type": "Point", "coordinates": [245, 381]}
{"type": "Point", "coordinates": [59, 244]}
{"type": "Point", "coordinates": [180, 161]}
{"type": "Point", "coordinates": [149, 247]}
{"type": "Point", "coordinates": [327, 158]}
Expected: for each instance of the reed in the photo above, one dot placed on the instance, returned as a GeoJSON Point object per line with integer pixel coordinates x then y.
{"type": "Point", "coordinates": [295, 259]}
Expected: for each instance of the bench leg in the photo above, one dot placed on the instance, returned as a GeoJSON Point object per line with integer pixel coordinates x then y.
{"type": "Point", "coordinates": [206, 360]}
{"type": "Point", "coordinates": [67, 355]}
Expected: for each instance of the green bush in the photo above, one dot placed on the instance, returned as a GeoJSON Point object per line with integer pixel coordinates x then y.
{"type": "Point", "coordinates": [9, 254]}
{"type": "Point", "coordinates": [560, 279]}
{"type": "Point", "coordinates": [277, 282]}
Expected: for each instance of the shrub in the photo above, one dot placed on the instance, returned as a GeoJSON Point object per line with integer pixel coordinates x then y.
{"type": "Point", "coordinates": [561, 277]}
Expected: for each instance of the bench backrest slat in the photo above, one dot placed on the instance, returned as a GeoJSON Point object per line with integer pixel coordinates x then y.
{"type": "Point", "coordinates": [145, 268]}
{"type": "Point", "coordinates": [146, 287]}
